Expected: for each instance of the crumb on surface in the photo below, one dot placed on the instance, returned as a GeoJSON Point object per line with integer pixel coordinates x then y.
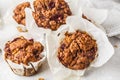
{"type": "Point", "coordinates": [20, 29]}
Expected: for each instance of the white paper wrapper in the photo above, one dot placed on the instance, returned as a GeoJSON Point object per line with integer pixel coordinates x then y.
{"type": "Point", "coordinates": [105, 49]}
{"type": "Point", "coordinates": [86, 7]}
{"type": "Point", "coordinates": [97, 16]}
{"type": "Point", "coordinates": [33, 67]}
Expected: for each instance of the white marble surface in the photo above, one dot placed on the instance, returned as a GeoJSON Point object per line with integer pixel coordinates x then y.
{"type": "Point", "coordinates": [109, 71]}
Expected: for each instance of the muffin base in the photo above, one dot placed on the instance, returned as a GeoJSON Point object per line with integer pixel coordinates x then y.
{"type": "Point", "coordinates": [25, 71]}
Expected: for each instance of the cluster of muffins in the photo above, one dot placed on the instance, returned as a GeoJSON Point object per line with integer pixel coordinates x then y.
{"type": "Point", "coordinates": [76, 51]}
{"type": "Point", "coordinates": [50, 14]}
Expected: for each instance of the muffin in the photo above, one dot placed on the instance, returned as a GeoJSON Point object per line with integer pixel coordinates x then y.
{"type": "Point", "coordinates": [50, 14]}
{"type": "Point", "coordinates": [77, 50]}
{"type": "Point", "coordinates": [19, 12]}
{"type": "Point", "coordinates": [24, 56]}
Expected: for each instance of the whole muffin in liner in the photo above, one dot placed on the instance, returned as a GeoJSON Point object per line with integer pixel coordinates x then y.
{"type": "Point", "coordinates": [77, 50]}
{"type": "Point", "coordinates": [61, 69]}
{"type": "Point", "coordinates": [33, 65]}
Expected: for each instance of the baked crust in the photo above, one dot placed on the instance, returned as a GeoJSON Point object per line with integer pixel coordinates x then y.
{"type": "Point", "coordinates": [19, 12]}
{"type": "Point", "coordinates": [51, 13]}
{"type": "Point", "coordinates": [21, 50]}
{"type": "Point", "coordinates": [77, 50]}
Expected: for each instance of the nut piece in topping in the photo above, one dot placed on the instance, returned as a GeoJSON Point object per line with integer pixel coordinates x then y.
{"type": "Point", "coordinates": [51, 13]}
{"type": "Point", "coordinates": [19, 13]}
{"type": "Point", "coordinates": [77, 50]}
{"type": "Point", "coordinates": [21, 50]}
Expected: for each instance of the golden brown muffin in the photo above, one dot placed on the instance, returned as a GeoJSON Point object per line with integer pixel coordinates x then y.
{"type": "Point", "coordinates": [21, 50]}
{"type": "Point", "coordinates": [77, 50]}
{"type": "Point", "coordinates": [51, 13]}
{"type": "Point", "coordinates": [19, 13]}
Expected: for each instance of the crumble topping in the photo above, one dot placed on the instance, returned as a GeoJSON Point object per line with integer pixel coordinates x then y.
{"type": "Point", "coordinates": [51, 13]}
{"type": "Point", "coordinates": [21, 50]}
{"type": "Point", "coordinates": [77, 50]}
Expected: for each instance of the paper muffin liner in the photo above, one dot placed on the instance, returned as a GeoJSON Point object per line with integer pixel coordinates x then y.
{"type": "Point", "coordinates": [105, 49]}
{"type": "Point", "coordinates": [33, 67]}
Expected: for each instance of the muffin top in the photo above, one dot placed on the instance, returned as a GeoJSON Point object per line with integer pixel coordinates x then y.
{"type": "Point", "coordinates": [21, 50]}
{"type": "Point", "coordinates": [19, 13]}
{"type": "Point", "coordinates": [77, 50]}
{"type": "Point", "coordinates": [51, 13]}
